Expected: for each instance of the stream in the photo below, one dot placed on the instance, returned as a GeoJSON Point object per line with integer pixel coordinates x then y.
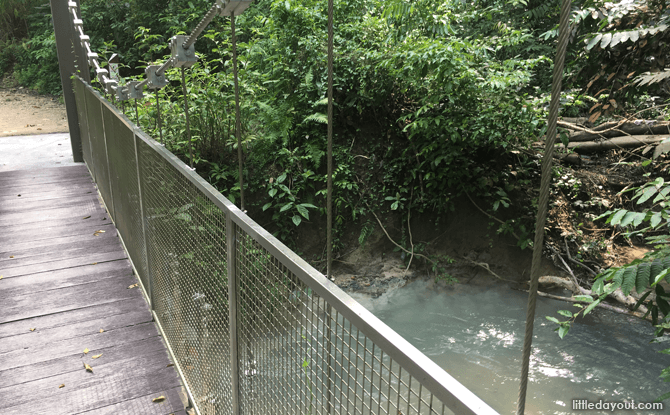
{"type": "Point", "coordinates": [476, 334]}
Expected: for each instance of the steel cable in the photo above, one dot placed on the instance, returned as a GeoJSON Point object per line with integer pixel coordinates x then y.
{"type": "Point", "coordinates": [544, 197]}
{"type": "Point", "coordinates": [238, 123]}
{"type": "Point", "coordinates": [329, 196]}
{"type": "Point", "coordinates": [188, 124]}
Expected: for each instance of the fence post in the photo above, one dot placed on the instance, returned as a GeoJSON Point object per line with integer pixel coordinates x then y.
{"type": "Point", "coordinates": [70, 61]}
{"type": "Point", "coordinates": [231, 242]}
{"type": "Point", "coordinates": [149, 279]}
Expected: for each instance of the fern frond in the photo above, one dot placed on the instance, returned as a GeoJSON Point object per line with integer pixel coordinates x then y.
{"type": "Point", "coordinates": [317, 117]}
{"type": "Point", "coordinates": [652, 78]}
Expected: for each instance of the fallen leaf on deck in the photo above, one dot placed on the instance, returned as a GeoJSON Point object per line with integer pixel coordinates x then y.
{"type": "Point", "coordinates": [101, 330]}
{"type": "Point", "coordinates": [86, 217]}
{"type": "Point", "coordinates": [33, 329]}
{"type": "Point", "coordinates": [0, 277]}
{"type": "Point", "coordinates": [101, 231]}
{"type": "Point", "coordinates": [11, 256]}
{"type": "Point", "coordinates": [96, 356]}
{"type": "Point", "coordinates": [86, 351]}
{"type": "Point", "coordinates": [88, 368]}
{"type": "Point", "coordinates": [170, 365]}
{"type": "Point", "coordinates": [95, 263]}
{"type": "Point", "coordinates": [159, 399]}
{"type": "Point", "coordinates": [132, 286]}
{"type": "Point", "coordinates": [62, 385]}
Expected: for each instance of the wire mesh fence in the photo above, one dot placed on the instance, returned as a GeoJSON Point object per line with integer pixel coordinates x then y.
{"type": "Point", "coordinates": [253, 329]}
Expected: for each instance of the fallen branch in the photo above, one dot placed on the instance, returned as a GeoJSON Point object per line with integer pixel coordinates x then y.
{"type": "Point", "coordinates": [615, 143]}
{"type": "Point", "coordinates": [615, 128]}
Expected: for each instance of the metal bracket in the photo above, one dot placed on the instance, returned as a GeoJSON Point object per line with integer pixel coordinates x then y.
{"type": "Point", "coordinates": [155, 80]}
{"type": "Point", "coordinates": [111, 86]}
{"type": "Point", "coordinates": [182, 57]}
{"type": "Point", "coordinates": [133, 91]}
{"type": "Point", "coordinates": [71, 5]}
{"type": "Point", "coordinates": [84, 39]}
{"type": "Point", "coordinates": [122, 93]}
{"type": "Point", "coordinates": [237, 6]}
{"type": "Point", "coordinates": [92, 56]}
{"type": "Point", "coordinates": [101, 74]}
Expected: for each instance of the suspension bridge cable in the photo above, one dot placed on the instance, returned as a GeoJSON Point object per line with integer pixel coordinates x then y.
{"type": "Point", "coordinates": [542, 204]}
{"type": "Point", "coordinates": [329, 197]}
{"type": "Point", "coordinates": [238, 124]}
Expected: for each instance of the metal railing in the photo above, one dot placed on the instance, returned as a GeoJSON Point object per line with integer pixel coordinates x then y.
{"type": "Point", "coordinates": [251, 326]}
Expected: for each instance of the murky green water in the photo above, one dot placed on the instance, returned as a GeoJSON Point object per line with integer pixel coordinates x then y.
{"type": "Point", "coordinates": [476, 334]}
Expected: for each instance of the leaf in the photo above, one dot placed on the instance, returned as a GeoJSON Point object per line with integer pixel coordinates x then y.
{"type": "Point", "coordinates": [96, 356]}
{"type": "Point", "coordinates": [655, 219]}
{"type": "Point", "coordinates": [616, 218]}
{"type": "Point", "coordinates": [61, 386]}
{"type": "Point", "coordinates": [648, 193]}
{"type": "Point", "coordinates": [303, 211]}
{"type": "Point", "coordinates": [11, 256]}
{"type": "Point", "coordinates": [658, 278]}
{"type": "Point", "coordinates": [132, 286]}
{"type": "Point", "coordinates": [33, 329]}
{"type": "Point", "coordinates": [88, 368]}
{"type": "Point", "coordinates": [565, 313]}
{"type": "Point", "coordinates": [102, 331]}
{"type": "Point", "coordinates": [159, 399]}
{"type": "Point", "coordinates": [266, 206]}
{"type": "Point", "coordinates": [553, 319]}
{"type": "Point", "coordinates": [628, 280]}
{"type": "Point", "coordinates": [296, 220]}
{"type": "Point", "coordinates": [607, 37]}
{"type": "Point", "coordinates": [585, 298]}
{"type": "Point", "coordinates": [642, 279]}
{"type": "Point", "coordinates": [86, 351]}
{"type": "Point", "coordinates": [286, 207]}
{"type": "Point", "coordinates": [591, 307]}
{"type": "Point", "coordinates": [563, 330]}
{"type": "Point", "coordinates": [1, 277]}
{"type": "Point", "coordinates": [594, 41]}
{"type": "Point", "coordinates": [87, 217]}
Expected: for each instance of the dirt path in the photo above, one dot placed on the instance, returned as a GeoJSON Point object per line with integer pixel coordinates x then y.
{"type": "Point", "coordinates": [25, 113]}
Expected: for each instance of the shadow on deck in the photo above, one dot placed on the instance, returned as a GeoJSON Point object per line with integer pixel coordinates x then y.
{"type": "Point", "coordinates": [66, 285]}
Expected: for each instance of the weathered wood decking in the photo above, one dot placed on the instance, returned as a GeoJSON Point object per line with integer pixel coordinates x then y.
{"type": "Point", "coordinates": [63, 281]}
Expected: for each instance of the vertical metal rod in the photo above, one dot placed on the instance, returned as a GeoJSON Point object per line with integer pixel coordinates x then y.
{"type": "Point", "coordinates": [238, 123]}
{"type": "Point", "coordinates": [158, 117]}
{"type": "Point", "coordinates": [329, 196]}
{"type": "Point", "coordinates": [231, 242]}
{"type": "Point", "coordinates": [143, 218]}
{"type": "Point", "coordinates": [188, 124]}
{"type": "Point", "coordinates": [137, 114]}
{"type": "Point", "coordinates": [109, 203]}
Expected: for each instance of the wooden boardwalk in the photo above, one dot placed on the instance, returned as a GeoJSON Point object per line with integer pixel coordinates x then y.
{"type": "Point", "coordinates": [64, 289]}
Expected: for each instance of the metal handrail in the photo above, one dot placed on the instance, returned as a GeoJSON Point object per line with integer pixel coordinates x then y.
{"type": "Point", "coordinates": [430, 376]}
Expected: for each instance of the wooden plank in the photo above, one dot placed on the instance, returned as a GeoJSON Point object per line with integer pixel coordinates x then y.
{"type": "Point", "coordinates": [43, 180]}
{"type": "Point", "coordinates": [104, 371]}
{"type": "Point", "coordinates": [40, 230]}
{"type": "Point", "coordinates": [20, 250]}
{"type": "Point", "coordinates": [64, 318]}
{"type": "Point", "coordinates": [26, 205]}
{"type": "Point", "coordinates": [42, 177]}
{"type": "Point", "coordinates": [64, 170]}
{"type": "Point", "coordinates": [46, 195]}
{"type": "Point", "coordinates": [30, 339]}
{"type": "Point", "coordinates": [46, 369]}
{"type": "Point", "coordinates": [24, 189]}
{"type": "Point", "coordinates": [94, 342]}
{"type": "Point", "coordinates": [127, 384]}
{"type": "Point", "coordinates": [53, 280]}
{"type": "Point", "coordinates": [48, 215]}
{"type": "Point", "coordinates": [7, 266]}
{"type": "Point", "coordinates": [75, 261]}
{"type": "Point", "coordinates": [69, 298]}
{"type": "Point", "coordinates": [175, 398]}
